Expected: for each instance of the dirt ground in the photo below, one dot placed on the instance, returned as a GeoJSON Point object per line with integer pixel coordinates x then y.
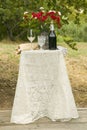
{"type": "Point", "coordinates": [77, 70]}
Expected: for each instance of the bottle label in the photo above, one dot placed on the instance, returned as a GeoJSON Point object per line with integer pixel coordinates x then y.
{"type": "Point", "coordinates": [52, 43]}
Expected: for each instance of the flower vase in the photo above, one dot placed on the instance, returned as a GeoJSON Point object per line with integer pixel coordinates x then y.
{"type": "Point", "coordinates": [46, 45]}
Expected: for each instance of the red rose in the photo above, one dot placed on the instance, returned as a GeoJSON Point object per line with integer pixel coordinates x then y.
{"type": "Point", "coordinates": [34, 15]}
{"type": "Point", "coordinates": [58, 21]}
{"type": "Point", "coordinates": [51, 13]}
{"type": "Point", "coordinates": [39, 15]}
{"type": "Point", "coordinates": [53, 17]}
{"type": "Point", "coordinates": [44, 18]}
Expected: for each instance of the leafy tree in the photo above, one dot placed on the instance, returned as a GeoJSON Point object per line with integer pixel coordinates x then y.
{"type": "Point", "coordinates": [11, 16]}
{"type": "Point", "coordinates": [11, 13]}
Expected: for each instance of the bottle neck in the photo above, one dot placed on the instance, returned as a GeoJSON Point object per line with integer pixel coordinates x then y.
{"type": "Point", "coordinates": [51, 27]}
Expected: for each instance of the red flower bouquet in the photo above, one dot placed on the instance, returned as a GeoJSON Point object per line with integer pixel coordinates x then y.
{"type": "Point", "coordinates": [42, 19]}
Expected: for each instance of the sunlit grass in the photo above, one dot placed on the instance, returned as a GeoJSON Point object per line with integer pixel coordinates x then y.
{"type": "Point", "coordinates": [82, 50]}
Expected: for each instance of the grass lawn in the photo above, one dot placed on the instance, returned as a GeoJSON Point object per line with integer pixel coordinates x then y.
{"type": "Point", "coordinates": [76, 62]}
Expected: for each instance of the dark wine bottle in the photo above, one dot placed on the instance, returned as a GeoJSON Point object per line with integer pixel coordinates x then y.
{"type": "Point", "coordinates": [52, 38]}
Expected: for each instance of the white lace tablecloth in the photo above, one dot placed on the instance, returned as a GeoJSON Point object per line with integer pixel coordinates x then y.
{"type": "Point", "coordinates": [43, 88]}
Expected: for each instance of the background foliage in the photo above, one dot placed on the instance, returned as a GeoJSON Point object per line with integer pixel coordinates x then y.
{"type": "Point", "coordinates": [11, 17]}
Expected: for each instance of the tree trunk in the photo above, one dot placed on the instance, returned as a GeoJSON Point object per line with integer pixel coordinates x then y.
{"type": "Point", "coordinates": [9, 31]}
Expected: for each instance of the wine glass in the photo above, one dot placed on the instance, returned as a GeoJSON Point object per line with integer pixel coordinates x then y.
{"type": "Point", "coordinates": [41, 41]}
{"type": "Point", "coordinates": [31, 36]}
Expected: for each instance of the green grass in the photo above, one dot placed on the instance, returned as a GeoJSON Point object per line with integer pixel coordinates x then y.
{"type": "Point", "coordinates": [8, 58]}
{"type": "Point", "coordinates": [82, 50]}
{"type": "Point", "coordinates": [8, 72]}
{"type": "Point", "coordinates": [76, 62]}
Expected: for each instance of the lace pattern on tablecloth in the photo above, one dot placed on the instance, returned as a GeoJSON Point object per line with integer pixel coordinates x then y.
{"type": "Point", "coordinates": [43, 88]}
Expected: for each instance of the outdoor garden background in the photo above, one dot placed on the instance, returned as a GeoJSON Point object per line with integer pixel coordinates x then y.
{"type": "Point", "coordinates": [72, 35]}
